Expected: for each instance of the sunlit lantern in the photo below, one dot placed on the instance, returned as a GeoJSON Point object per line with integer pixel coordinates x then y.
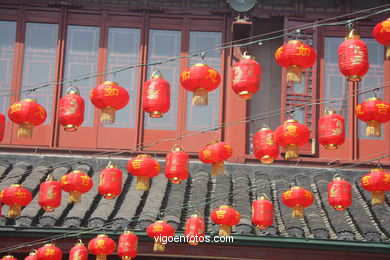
{"type": "Point", "coordinates": [339, 193]}
{"type": "Point", "coordinates": [298, 199]}
{"type": "Point", "coordinates": [156, 95]}
{"type": "Point", "coordinates": [109, 97]}
{"type": "Point", "coordinates": [381, 33]}
{"type": "Point", "coordinates": [2, 126]}
{"type": "Point", "coordinates": [262, 212]}
{"type": "Point", "coordinates": [16, 197]}
{"type": "Point", "coordinates": [215, 154]}
{"type": "Point", "coordinates": [78, 251]}
{"type": "Point", "coordinates": [159, 231]}
{"type": "Point", "coordinates": [331, 130]}
{"type": "Point", "coordinates": [33, 255]}
{"type": "Point", "coordinates": [264, 146]}
{"type": "Point", "coordinates": [49, 252]}
{"type": "Point", "coordinates": [71, 110]}
{"type": "Point", "coordinates": [110, 181]}
{"type": "Point", "coordinates": [200, 79]}
{"type": "Point", "coordinates": [177, 165]}
{"type": "Point", "coordinates": [27, 114]}
{"type": "Point", "coordinates": [374, 112]}
{"type": "Point", "coordinates": [194, 229]}
{"type": "Point", "coordinates": [246, 77]}
{"type": "Point", "coordinates": [226, 217]}
{"type": "Point", "coordinates": [143, 167]}
{"type": "Point", "coordinates": [101, 246]}
{"type": "Point", "coordinates": [127, 245]}
{"type": "Point", "coordinates": [377, 182]}
{"type": "Point", "coordinates": [50, 191]}
{"type": "Point", "coordinates": [76, 183]}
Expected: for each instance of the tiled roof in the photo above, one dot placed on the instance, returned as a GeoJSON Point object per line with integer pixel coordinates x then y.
{"type": "Point", "coordinates": [201, 193]}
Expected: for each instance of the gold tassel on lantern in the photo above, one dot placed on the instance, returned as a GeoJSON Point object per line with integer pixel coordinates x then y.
{"type": "Point", "coordinates": [142, 183]}
{"type": "Point", "coordinates": [294, 73]}
{"type": "Point", "coordinates": [101, 257]}
{"type": "Point", "coordinates": [158, 247]}
{"type": "Point", "coordinates": [225, 230]}
{"type": "Point", "coordinates": [108, 115]}
{"type": "Point", "coordinates": [378, 197]}
{"type": "Point", "coordinates": [373, 128]}
{"type": "Point", "coordinates": [25, 130]}
{"type": "Point", "coordinates": [217, 168]}
{"type": "Point", "coordinates": [388, 51]}
{"type": "Point", "coordinates": [200, 97]}
{"type": "Point", "coordinates": [14, 211]}
{"type": "Point", "coordinates": [74, 196]}
{"type": "Point", "coordinates": [297, 212]}
{"type": "Point", "coordinates": [292, 152]}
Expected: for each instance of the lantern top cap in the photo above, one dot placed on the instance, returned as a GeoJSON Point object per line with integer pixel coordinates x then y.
{"type": "Point", "coordinates": [225, 207]}
{"type": "Point", "coordinates": [111, 165]}
{"type": "Point", "coordinates": [246, 56]}
{"type": "Point", "coordinates": [16, 185]}
{"type": "Point", "coordinates": [102, 235]}
{"type": "Point", "coordinates": [213, 142]}
{"type": "Point", "coordinates": [373, 98]}
{"type": "Point", "coordinates": [352, 35]}
{"type": "Point", "coordinates": [338, 177]}
{"type": "Point", "coordinates": [160, 221]}
{"type": "Point", "coordinates": [79, 242]}
{"type": "Point", "coordinates": [177, 147]}
{"type": "Point", "coordinates": [262, 196]}
{"type": "Point", "coordinates": [73, 90]}
{"type": "Point", "coordinates": [144, 155]}
{"type": "Point", "coordinates": [194, 216]}
{"type": "Point", "coordinates": [156, 75]}
{"type": "Point", "coordinates": [128, 232]}
{"type": "Point", "coordinates": [200, 65]}
{"type": "Point", "coordinates": [8, 256]}
{"type": "Point", "coordinates": [110, 82]}
{"type": "Point", "coordinates": [33, 252]}
{"type": "Point", "coordinates": [291, 121]}
{"type": "Point", "coordinates": [51, 244]}
{"type": "Point", "coordinates": [295, 41]}
{"type": "Point", "coordinates": [77, 171]}
{"type": "Point", "coordinates": [264, 127]}
{"type": "Point", "coordinates": [29, 100]}
{"type": "Point", "coordinates": [376, 169]}
{"type": "Point", "coordinates": [50, 177]}
{"type": "Point", "coordinates": [296, 188]}
{"type": "Point", "coordinates": [330, 111]}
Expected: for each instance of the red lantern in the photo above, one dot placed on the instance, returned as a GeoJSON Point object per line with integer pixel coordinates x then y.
{"type": "Point", "coordinates": [331, 130]}
{"type": "Point", "coordinates": [2, 126]}
{"type": "Point", "coordinates": [295, 56]}
{"type": "Point", "coordinates": [298, 199]}
{"type": "Point", "coordinates": [128, 245]}
{"type": "Point", "coordinates": [381, 33]}
{"type": "Point", "coordinates": [353, 57]}
{"type": "Point", "coordinates": [262, 212]}
{"type": "Point", "coordinates": [264, 146]}
{"type": "Point", "coordinates": [246, 77]}
{"type": "Point", "coordinates": [109, 97]}
{"type": "Point", "coordinates": [71, 110]}
{"type": "Point", "coordinates": [76, 183]}
{"type": "Point", "coordinates": [101, 246]}
{"type": "Point", "coordinates": [226, 217]}
{"type": "Point", "coordinates": [143, 167]}
{"type": "Point", "coordinates": [1, 201]}
{"type": "Point", "coordinates": [374, 112]}
{"type": "Point", "coordinates": [216, 153]}
{"type": "Point", "coordinates": [194, 229]}
{"type": "Point", "coordinates": [16, 197]}
{"type": "Point", "coordinates": [110, 182]}
{"type": "Point", "coordinates": [200, 79]}
{"type": "Point", "coordinates": [377, 182]}
{"type": "Point", "coordinates": [78, 251]}
{"type": "Point", "coordinates": [27, 114]}
{"type": "Point", "coordinates": [339, 193]}
{"type": "Point", "coordinates": [50, 194]}
{"type": "Point", "coordinates": [160, 231]}
{"type": "Point", "coordinates": [156, 95]}
{"type": "Point", "coordinates": [177, 165]}
{"type": "Point", "coordinates": [9, 257]}
{"type": "Point", "coordinates": [32, 255]}
{"type": "Point", "coordinates": [291, 135]}
{"type": "Point", "coordinates": [49, 252]}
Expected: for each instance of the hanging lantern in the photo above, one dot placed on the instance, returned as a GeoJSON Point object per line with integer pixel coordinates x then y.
{"type": "Point", "coordinates": [381, 34]}
{"type": "Point", "coordinates": [296, 56]}
{"type": "Point", "coordinates": [71, 110]}
{"type": "Point", "coordinates": [16, 197]}
{"type": "Point", "coordinates": [27, 114]}
{"type": "Point", "coordinates": [226, 217]}
{"type": "Point", "coordinates": [143, 167]}
{"type": "Point", "coordinates": [49, 252]}
{"type": "Point", "coordinates": [101, 246]}
{"type": "Point", "coordinates": [216, 153]}
{"type": "Point", "coordinates": [2, 126]}
{"type": "Point", "coordinates": [374, 112]}
{"type": "Point", "coordinates": [33, 255]}
{"type": "Point", "coordinates": [200, 79]}
{"type": "Point", "coordinates": [353, 57]}
{"type": "Point", "coordinates": [78, 251]}
{"type": "Point", "coordinates": [291, 135]}
{"type": "Point", "coordinates": [264, 146]}
{"type": "Point", "coordinates": [127, 245]}
{"type": "Point", "coordinates": [339, 193]}
{"type": "Point", "coordinates": [246, 77]}
{"type": "Point", "coordinates": [156, 95]}
{"type": "Point", "coordinates": [298, 199]}
{"type": "Point", "coordinates": [159, 231]}
{"type": "Point", "coordinates": [110, 182]}
{"type": "Point", "coordinates": [262, 212]}
{"type": "Point", "coordinates": [177, 165]}
{"type": "Point", "coordinates": [9, 257]}
{"type": "Point", "coordinates": [377, 182]}
{"type": "Point", "coordinates": [109, 97]}
{"type": "Point", "coordinates": [1, 201]}
{"type": "Point", "coordinates": [194, 229]}
{"type": "Point", "coordinates": [331, 130]}
{"type": "Point", "coordinates": [76, 183]}
{"type": "Point", "coordinates": [50, 194]}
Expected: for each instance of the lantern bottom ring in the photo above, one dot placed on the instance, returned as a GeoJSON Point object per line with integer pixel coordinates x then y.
{"type": "Point", "coordinates": [266, 159]}
{"type": "Point", "coordinates": [70, 128]}
{"type": "Point", "coordinates": [126, 257]}
{"type": "Point", "coordinates": [262, 227]}
{"type": "Point", "coordinates": [176, 180]}
{"type": "Point", "coordinates": [49, 208]}
{"type": "Point", "coordinates": [245, 95]}
{"type": "Point", "coordinates": [156, 114]}
{"type": "Point", "coordinates": [355, 78]}
{"type": "Point", "coordinates": [339, 207]}
{"type": "Point", "coordinates": [109, 196]}
{"type": "Point", "coordinates": [331, 147]}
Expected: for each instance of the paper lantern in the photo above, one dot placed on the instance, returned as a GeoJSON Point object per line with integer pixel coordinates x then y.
{"type": "Point", "coordinates": [377, 182]}
{"type": "Point", "coordinates": [381, 33]}
{"type": "Point", "coordinates": [262, 212]}
{"type": "Point", "coordinates": [246, 77]}
{"type": "Point", "coordinates": [331, 130]}
{"type": "Point", "coordinates": [49, 252]}
{"type": "Point", "coordinates": [1, 201]}
{"type": "Point", "coordinates": [143, 167]}
{"type": "Point", "coordinates": [110, 181]}
{"type": "Point", "coordinates": [194, 229]}
{"type": "Point", "coordinates": [78, 251]}
{"type": "Point", "coordinates": [50, 192]}
{"type": "Point", "coordinates": [264, 146]}
{"type": "Point", "coordinates": [101, 246]}
{"type": "Point", "coordinates": [226, 217]}
{"type": "Point", "coordinates": [16, 197]}
{"type": "Point", "coordinates": [215, 154]}
{"type": "Point", "coordinates": [374, 112]}
{"type": "Point", "coordinates": [156, 95]}
{"type": "Point", "coordinates": [298, 199]}
{"type": "Point", "coordinates": [295, 56]}
{"type": "Point", "coordinates": [291, 135]}
{"type": "Point", "coordinates": [339, 193]}
{"type": "Point", "coordinates": [76, 183]}
{"type": "Point", "coordinates": [2, 126]}
{"type": "Point", "coordinates": [71, 110]}
{"type": "Point", "coordinates": [127, 245]}
{"type": "Point", "coordinates": [27, 114]}
{"type": "Point", "coordinates": [32, 255]}
{"type": "Point", "coordinates": [109, 97]}
{"type": "Point", "coordinates": [9, 257]}
{"type": "Point", "coordinates": [353, 57]}
{"type": "Point", "coordinates": [159, 231]}
{"type": "Point", "coordinates": [177, 165]}
{"type": "Point", "coordinates": [200, 79]}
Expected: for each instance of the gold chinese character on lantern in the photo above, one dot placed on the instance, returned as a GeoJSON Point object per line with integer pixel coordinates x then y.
{"type": "Point", "coordinates": [387, 178]}
{"type": "Point", "coordinates": [16, 107]}
{"type": "Point", "coordinates": [213, 75]}
{"type": "Point", "coordinates": [50, 252]}
{"type": "Point", "coordinates": [228, 149]}
{"type": "Point", "coordinates": [157, 228]}
{"type": "Point", "coordinates": [41, 112]}
{"type": "Point", "coordinates": [50, 193]}
{"type": "Point", "coordinates": [366, 180]}
{"type": "Point", "coordinates": [136, 164]}
{"type": "Point", "coordinates": [237, 75]}
{"type": "Point", "coordinates": [20, 194]}
{"type": "Point", "coordinates": [157, 168]}
{"type": "Point", "coordinates": [302, 51]}
{"type": "Point", "coordinates": [100, 243]}
{"type": "Point", "coordinates": [308, 194]}
{"type": "Point", "coordinates": [185, 75]}
{"type": "Point", "coordinates": [358, 58]}
{"type": "Point", "coordinates": [207, 154]}
{"type": "Point", "coordinates": [359, 110]}
{"type": "Point", "coordinates": [382, 108]}
{"type": "Point", "coordinates": [85, 180]}
{"type": "Point", "coordinates": [110, 91]}
{"type": "Point", "coordinates": [220, 213]}
{"type": "Point", "coordinates": [287, 194]}
{"type": "Point", "coordinates": [291, 130]}
{"type": "Point", "coordinates": [152, 93]}
{"type": "Point", "coordinates": [269, 139]}
{"type": "Point", "coordinates": [279, 52]}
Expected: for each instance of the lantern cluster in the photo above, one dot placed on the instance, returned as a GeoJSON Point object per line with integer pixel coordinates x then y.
{"type": "Point", "coordinates": [215, 154]}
